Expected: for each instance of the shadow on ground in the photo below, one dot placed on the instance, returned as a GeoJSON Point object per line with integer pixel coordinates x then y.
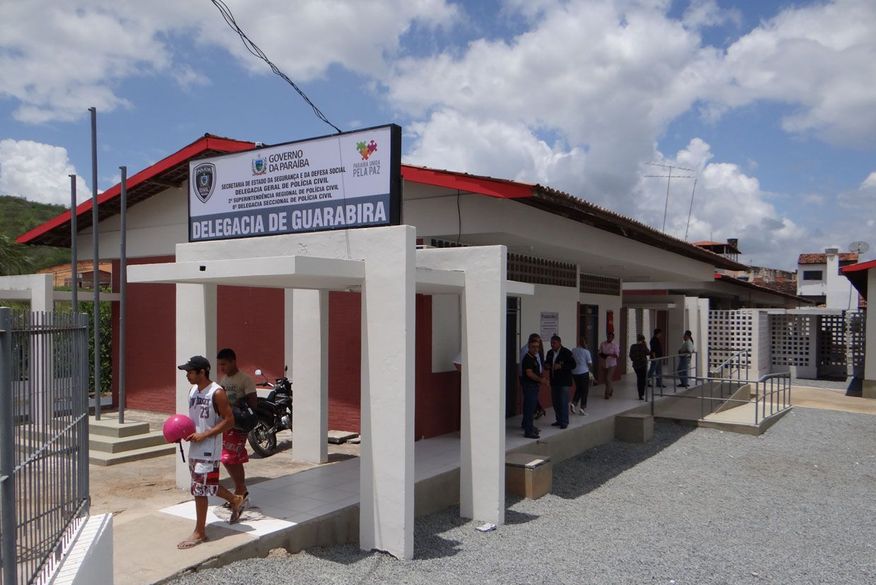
{"type": "Point", "coordinates": [606, 462]}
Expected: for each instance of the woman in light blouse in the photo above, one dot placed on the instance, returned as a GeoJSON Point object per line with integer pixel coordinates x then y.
{"type": "Point", "coordinates": [609, 352]}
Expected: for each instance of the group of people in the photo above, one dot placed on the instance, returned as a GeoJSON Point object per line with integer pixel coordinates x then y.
{"type": "Point", "coordinates": [641, 353]}
{"type": "Point", "coordinates": [215, 439]}
{"type": "Point", "coordinates": [560, 368]}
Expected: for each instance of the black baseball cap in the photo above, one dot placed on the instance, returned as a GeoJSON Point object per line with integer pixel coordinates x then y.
{"type": "Point", "coordinates": [196, 362]}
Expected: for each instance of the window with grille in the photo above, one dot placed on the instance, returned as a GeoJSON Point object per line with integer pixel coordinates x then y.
{"type": "Point", "coordinates": [812, 275]}
{"type": "Point", "coordinates": [541, 271]}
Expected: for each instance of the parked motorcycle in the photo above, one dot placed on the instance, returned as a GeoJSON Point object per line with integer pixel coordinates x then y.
{"type": "Point", "coordinates": [274, 414]}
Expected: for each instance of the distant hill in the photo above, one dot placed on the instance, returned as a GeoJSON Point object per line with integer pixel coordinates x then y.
{"type": "Point", "coordinates": [17, 216]}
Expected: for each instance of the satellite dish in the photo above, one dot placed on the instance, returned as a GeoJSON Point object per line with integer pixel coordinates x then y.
{"type": "Point", "coordinates": [859, 247]}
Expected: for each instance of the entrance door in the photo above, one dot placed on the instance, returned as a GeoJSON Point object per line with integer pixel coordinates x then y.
{"type": "Point", "coordinates": [512, 343]}
{"type": "Point", "coordinates": [588, 325]}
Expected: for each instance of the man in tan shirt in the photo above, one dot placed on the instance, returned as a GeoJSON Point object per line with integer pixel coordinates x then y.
{"type": "Point", "coordinates": [238, 386]}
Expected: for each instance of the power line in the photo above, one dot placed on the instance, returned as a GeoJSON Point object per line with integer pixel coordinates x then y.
{"type": "Point", "coordinates": [256, 51]}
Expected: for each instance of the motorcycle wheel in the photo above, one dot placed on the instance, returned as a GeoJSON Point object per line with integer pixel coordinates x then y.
{"type": "Point", "coordinates": [262, 440]}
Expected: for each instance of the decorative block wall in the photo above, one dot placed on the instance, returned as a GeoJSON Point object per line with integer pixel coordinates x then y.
{"type": "Point", "coordinates": [730, 332]}
{"type": "Point", "coordinates": [792, 341]}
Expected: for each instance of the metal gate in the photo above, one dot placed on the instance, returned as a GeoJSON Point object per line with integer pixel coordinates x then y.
{"type": "Point", "coordinates": [43, 440]}
{"type": "Point", "coordinates": [830, 362]}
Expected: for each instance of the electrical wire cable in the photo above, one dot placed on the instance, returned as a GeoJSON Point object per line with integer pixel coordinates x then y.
{"type": "Point", "coordinates": [256, 51]}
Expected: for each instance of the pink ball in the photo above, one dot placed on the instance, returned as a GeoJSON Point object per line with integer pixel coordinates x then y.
{"type": "Point", "coordinates": [177, 427]}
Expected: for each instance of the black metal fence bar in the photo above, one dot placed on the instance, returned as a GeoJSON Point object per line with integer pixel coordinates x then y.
{"type": "Point", "coordinates": [47, 391]}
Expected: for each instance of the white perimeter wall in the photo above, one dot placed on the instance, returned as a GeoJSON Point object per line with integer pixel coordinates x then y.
{"type": "Point", "coordinates": [89, 560]}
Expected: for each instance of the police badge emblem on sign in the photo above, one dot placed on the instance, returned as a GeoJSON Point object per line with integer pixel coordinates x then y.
{"type": "Point", "coordinates": [205, 180]}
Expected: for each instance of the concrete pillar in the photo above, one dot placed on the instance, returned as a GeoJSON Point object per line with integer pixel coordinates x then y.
{"type": "Point", "coordinates": [196, 320]}
{"type": "Point", "coordinates": [482, 432]}
{"type": "Point", "coordinates": [42, 293]}
{"type": "Point", "coordinates": [386, 463]}
{"type": "Point", "coordinates": [647, 321]}
{"type": "Point", "coordinates": [702, 339]}
{"type": "Point", "coordinates": [309, 375]}
{"type": "Point", "coordinates": [631, 327]}
{"type": "Point", "coordinates": [868, 389]}
{"type": "Point", "coordinates": [42, 367]}
{"type": "Point", "coordinates": [482, 425]}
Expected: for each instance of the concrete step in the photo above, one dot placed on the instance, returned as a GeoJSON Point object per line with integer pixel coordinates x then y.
{"type": "Point", "coordinates": [109, 426]}
{"type": "Point", "coordinates": [109, 444]}
{"type": "Point", "coordinates": [104, 458]}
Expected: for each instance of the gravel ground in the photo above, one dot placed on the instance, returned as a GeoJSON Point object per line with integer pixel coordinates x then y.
{"type": "Point", "coordinates": [693, 506]}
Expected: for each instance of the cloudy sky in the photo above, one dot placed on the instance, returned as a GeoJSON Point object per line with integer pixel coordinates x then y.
{"type": "Point", "coordinates": [771, 103]}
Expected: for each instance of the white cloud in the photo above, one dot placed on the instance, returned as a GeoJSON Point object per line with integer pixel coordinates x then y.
{"type": "Point", "coordinates": [705, 13]}
{"type": "Point", "coordinates": [60, 58]}
{"type": "Point", "coordinates": [820, 58]}
{"type": "Point", "coordinates": [38, 172]}
{"type": "Point", "coordinates": [869, 182]}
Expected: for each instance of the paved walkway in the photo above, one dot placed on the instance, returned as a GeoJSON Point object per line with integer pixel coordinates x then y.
{"type": "Point", "coordinates": [145, 544]}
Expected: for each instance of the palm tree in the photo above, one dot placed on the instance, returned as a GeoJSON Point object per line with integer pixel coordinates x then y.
{"type": "Point", "coordinates": [13, 260]}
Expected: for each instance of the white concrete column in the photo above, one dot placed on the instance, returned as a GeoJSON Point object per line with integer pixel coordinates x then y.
{"type": "Point", "coordinates": [386, 462]}
{"type": "Point", "coordinates": [702, 340]}
{"type": "Point", "coordinates": [309, 375]}
{"type": "Point", "coordinates": [869, 385]}
{"type": "Point", "coordinates": [482, 425]}
{"type": "Point", "coordinates": [41, 299]}
{"type": "Point", "coordinates": [631, 327]}
{"type": "Point", "coordinates": [195, 335]}
{"type": "Point", "coordinates": [42, 293]}
{"type": "Point", "coordinates": [647, 329]}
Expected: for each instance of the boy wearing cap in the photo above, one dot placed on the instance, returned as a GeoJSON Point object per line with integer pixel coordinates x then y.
{"type": "Point", "coordinates": [210, 411]}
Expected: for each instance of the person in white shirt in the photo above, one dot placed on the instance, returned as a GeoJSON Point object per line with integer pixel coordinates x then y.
{"type": "Point", "coordinates": [684, 352]}
{"type": "Point", "coordinates": [581, 375]}
{"type": "Point", "coordinates": [211, 413]}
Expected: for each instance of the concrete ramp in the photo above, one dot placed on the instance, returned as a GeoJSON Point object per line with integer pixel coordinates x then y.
{"type": "Point", "coordinates": [723, 405]}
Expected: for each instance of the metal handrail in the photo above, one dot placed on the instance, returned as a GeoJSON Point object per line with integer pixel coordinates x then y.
{"type": "Point", "coordinates": [736, 355]}
{"type": "Point", "coordinates": [772, 392]}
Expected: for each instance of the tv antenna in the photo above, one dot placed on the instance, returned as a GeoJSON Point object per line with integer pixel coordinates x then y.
{"type": "Point", "coordinates": [669, 178]}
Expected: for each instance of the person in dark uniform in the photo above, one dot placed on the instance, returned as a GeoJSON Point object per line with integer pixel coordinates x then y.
{"type": "Point", "coordinates": [656, 369]}
{"type": "Point", "coordinates": [531, 379]}
{"type": "Point", "coordinates": [639, 356]}
{"type": "Point", "coordinates": [560, 364]}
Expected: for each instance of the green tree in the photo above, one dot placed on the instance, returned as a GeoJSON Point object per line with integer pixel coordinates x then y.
{"type": "Point", "coordinates": [13, 259]}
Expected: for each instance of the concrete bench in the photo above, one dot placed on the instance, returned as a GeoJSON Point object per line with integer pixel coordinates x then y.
{"type": "Point", "coordinates": [528, 475]}
{"type": "Point", "coordinates": [634, 428]}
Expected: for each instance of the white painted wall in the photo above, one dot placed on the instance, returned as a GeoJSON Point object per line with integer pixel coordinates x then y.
{"type": "Point", "coordinates": [527, 230]}
{"type": "Point", "coordinates": [547, 298]}
{"type": "Point", "coordinates": [446, 340]}
{"type": "Point", "coordinates": [836, 288]}
{"type": "Point", "coordinates": [155, 226]}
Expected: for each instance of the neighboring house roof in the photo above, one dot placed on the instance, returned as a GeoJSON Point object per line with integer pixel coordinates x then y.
{"type": "Point", "coordinates": [173, 170]}
{"type": "Point", "coordinates": [760, 288]}
{"type": "Point", "coordinates": [822, 258]}
{"type": "Point", "coordinates": [857, 274]}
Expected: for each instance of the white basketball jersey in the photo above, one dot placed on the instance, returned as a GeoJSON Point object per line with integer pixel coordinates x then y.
{"type": "Point", "coordinates": [203, 413]}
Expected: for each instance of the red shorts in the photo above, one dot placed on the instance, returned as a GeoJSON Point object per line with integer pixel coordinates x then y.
{"type": "Point", "coordinates": [205, 477]}
{"type": "Point", "coordinates": [234, 447]}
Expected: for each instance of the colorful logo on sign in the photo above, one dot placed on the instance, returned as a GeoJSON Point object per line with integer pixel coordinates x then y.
{"type": "Point", "coordinates": [366, 150]}
{"type": "Point", "coordinates": [259, 166]}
